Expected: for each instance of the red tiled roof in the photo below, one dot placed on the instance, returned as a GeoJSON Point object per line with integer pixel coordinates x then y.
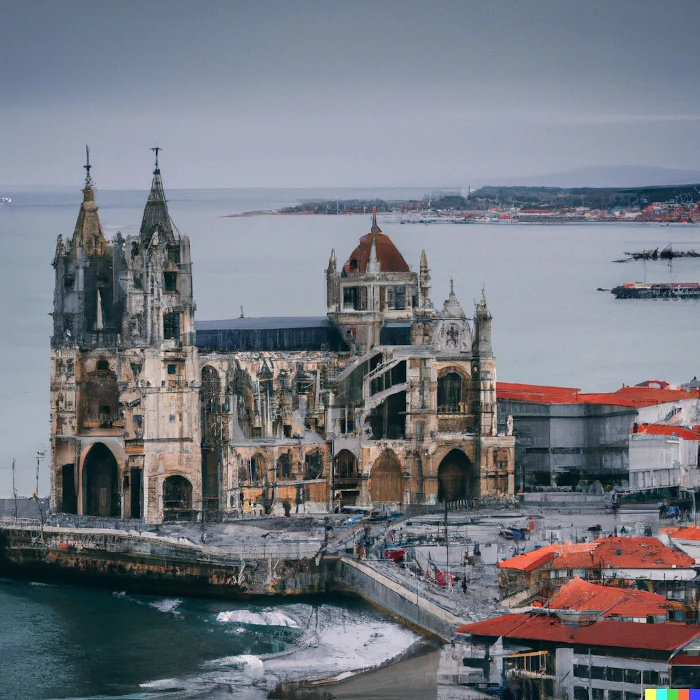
{"type": "Point", "coordinates": [533, 393]}
{"type": "Point", "coordinates": [605, 633]}
{"type": "Point", "coordinates": [638, 553]}
{"type": "Point", "coordinates": [529, 561]}
{"type": "Point", "coordinates": [629, 396]}
{"type": "Point", "coordinates": [603, 553]}
{"type": "Point", "coordinates": [580, 595]}
{"type": "Point", "coordinates": [668, 430]}
{"type": "Point", "coordinates": [388, 255]}
{"type": "Point", "coordinates": [687, 533]}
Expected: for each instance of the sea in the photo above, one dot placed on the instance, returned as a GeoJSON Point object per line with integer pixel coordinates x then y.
{"type": "Point", "coordinates": [551, 326]}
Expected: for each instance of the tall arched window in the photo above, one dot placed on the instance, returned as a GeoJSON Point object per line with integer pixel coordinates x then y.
{"type": "Point", "coordinates": [451, 393]}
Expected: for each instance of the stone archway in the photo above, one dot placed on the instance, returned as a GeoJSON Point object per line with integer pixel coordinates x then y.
{"type": "Point", "coordinates": [387, 479]}
{"type": "Point", "coordinates": [177, 499]}
{"type": "Point", "coordinates": [101, 495]}
{"type": "Point", "coordinates": [457, 480]}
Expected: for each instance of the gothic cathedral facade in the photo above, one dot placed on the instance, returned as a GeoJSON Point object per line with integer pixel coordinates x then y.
{"type": "Point", "coordinates": [385, 401]}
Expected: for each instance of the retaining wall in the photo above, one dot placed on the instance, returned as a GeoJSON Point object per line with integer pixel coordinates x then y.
{"type": "Point", "coordinates": [400, 602]}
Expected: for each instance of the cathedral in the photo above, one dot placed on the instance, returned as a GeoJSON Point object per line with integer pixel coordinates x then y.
{"type": "Point", "coordinates": [386, 401]}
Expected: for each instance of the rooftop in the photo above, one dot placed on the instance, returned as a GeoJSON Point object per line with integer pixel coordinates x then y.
{"type": "Point", "coordinates": [388, 255]}
{"type": "Point", "coordinates": [603, 553]}
{"type": "Point", "coordinates": [580, 596]}
{"type": "Point", "coordinates": [263, 323]}
{"type": "Point", "coordinates": [647, 393]}
{"type": "Point", "coordinates": [666, 430]}
{"type": "Point", "coordinates": [669, 636]}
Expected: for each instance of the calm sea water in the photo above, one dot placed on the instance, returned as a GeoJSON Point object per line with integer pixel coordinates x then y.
{"type": "Point", "coordinates": [550, 326]}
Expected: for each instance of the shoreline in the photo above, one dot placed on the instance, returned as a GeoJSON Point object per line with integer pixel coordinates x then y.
{"type": "Point", "coordinates": [457, 219]}
{"type": "Point", "coordinates": [423, 656]}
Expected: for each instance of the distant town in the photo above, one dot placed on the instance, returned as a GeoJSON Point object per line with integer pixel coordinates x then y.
{"type": "Point", "coordinates": [546, 205]}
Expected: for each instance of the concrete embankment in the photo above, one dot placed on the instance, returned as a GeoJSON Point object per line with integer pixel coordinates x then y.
{"type": "Point", "coordinates": [151, 563]}
{"type": "Point", "coordinates": [401, 600]}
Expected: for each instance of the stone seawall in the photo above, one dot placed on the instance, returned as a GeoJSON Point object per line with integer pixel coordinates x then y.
{"type": "Point", "coordinates": [155, 564]}
{"type": "Point", "coordinates": [407, 605]}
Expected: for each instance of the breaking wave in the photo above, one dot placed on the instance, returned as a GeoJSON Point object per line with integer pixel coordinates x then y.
{"type": "Point", "coordinates": [167, 605]}
{"type": "Point", "coordinates": [271, 618]}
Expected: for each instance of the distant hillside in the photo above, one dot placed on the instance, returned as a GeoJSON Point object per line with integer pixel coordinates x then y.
{"type": "Point", "coordinates": [610, 176]}
{"type": "Point", "coordinates": [594, 197]}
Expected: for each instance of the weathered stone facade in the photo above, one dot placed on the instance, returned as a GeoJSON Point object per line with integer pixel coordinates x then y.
{"type": "Point", "coordinates": [386, 401]}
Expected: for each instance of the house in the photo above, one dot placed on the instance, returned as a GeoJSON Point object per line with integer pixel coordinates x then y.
{"type": "Point", "coordinates": [540, 655]}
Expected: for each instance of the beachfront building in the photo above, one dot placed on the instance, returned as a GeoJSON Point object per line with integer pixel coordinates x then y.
{"type": "Point", "coordinates": [546, 655]}
{"type": "Point", "coordinates": [385, 400]}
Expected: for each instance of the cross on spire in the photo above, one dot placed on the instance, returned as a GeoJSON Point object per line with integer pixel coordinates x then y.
{"type": "Point", "coordinates": [155, 149]}
{"type": "Point", "coordinates": [87, 166]}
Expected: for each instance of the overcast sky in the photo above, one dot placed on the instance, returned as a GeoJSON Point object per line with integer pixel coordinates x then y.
{"type": "Point", "coordinates": [302, 93]}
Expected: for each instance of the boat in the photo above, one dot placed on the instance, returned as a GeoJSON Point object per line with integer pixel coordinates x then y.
{"type": "Point", "coordinates": [5, 200]}
{"type": "Point", "coordinates": [658, 290]}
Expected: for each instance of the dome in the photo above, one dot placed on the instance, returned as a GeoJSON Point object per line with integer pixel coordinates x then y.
{"type": "Point", "coordinates": [388, 255]}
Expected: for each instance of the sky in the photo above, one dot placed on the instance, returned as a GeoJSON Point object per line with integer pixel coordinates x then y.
{"type": "Point", "coordinates": [309, 93]}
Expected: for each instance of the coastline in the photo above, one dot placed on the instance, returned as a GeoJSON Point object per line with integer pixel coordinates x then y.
{"type": "Point", "coordinates": [412, 675]}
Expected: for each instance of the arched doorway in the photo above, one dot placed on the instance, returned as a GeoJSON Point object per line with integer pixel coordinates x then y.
{"type": "Point", "coordinates": [346, 478]}
{"type": "Point", "coordinates": [101, 483]}
{"type": "Point", "coordinates": [387, 480]}
{"type": "Point", "coordinates": [177, 499]}
{"type": "Point", "coordinates": [456, 478]}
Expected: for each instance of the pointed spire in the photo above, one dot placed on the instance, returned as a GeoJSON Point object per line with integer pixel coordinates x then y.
{"type": "Point", "coordinates": [482, 309]}
{"type": "Point", "coordinates": [423, 262]}
{"type": "Point", "coordinates": [88, 229]}
{"type": "Point", "coordinates": [155, 215]}
{"type": "Point", "coordinates": [332, 263]}
{"type": "Point", "coordinates": [452, 308]}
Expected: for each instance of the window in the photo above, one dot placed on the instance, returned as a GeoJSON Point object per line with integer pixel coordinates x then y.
{"type": "Point", "coordinates": [284, 467]}
{"type": "Point", "coordinates": [172, 369]}
{"type": "Point", "coordinates": [580, 693]}
{"type": "Point", "coordinates": [650, 678]}
{"type": "Point", "coordinates": [353, 264]}
{"type": "Point", "coordinates": [172, 417]}
{"type": "Point", "coordinates": [581, 671]}
{"type": "Point", "coordinates": [102, 366]}
{"type": "Point", "coordinates": [171, 325]}
{"type": "Point", "coordinates": [633, 695]}
{"type": "Point", "coordinates": [313, 464]}
{"type": "Point", "coordinates": [355, 298]}
{"type": "Point", "coordinates": [632, 675]}
{"type": "Point", "coordinates": [174, 255]}
{"type": "Point", "coordinates": [170, 281]}
{"type": "Point", "coordinates": [598, 673]}
{"type": "Point", "coordinates": [597, 694]}
{"type": "Point", "coordinates": [451, 392]}
{"type": "Point", "coordinates": [615, 674]}
{"type": "Point", "coordinates": [138, 422]}
{"type": "Point", "coordinates": [390, 298]}
{"type": "Point", "coordinates": [400, 297]}
{"type": "Point", "coordinates": [138, 281]}
{"type": "Point", "coordinates": [614, 695]}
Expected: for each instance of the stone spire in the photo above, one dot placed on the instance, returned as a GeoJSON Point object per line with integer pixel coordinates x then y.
{"type": "Point", "coordinates": [452, 307]}
{"type": "Point", "coordinates": [482, 324]}
{"type": "Point", "coordinates": [424, 282]}
{"type": "Point", "coordinates": [88, 229]}
{"type": "Point", "coordinates": [155, 215]}
{"type": "Point", "coordinates": [332, 263]}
